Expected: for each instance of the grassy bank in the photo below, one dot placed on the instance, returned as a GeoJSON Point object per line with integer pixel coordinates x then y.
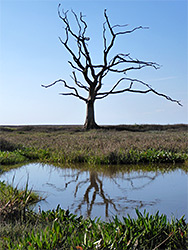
{"type": "Point", "coordinates": [110, 145]}
{"type": "Point", "coordinates": [59, 229]}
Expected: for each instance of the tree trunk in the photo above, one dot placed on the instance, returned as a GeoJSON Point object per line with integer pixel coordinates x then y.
{"type": "Point", "coordinates": [90, 116]}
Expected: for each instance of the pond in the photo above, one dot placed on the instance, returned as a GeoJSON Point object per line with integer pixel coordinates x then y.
{"type": "Point", "coordinates": [104, 194]}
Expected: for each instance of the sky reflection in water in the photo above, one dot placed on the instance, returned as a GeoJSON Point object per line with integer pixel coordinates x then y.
{"type": "Point", "coordinates": [95, 194]}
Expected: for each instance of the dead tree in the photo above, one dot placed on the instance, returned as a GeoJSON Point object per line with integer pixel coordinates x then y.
{"type": "Point", "coordinates": [94, 74]}
{"type": "Point", "coordinates": [96, 195]}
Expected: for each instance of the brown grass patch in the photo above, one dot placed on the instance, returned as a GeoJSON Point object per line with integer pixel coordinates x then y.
{"type": "Point", "coordinates": [70, 139]}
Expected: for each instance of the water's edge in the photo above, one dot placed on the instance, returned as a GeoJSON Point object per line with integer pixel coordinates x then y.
{"type": "Point", "coordinates": [105, 194]}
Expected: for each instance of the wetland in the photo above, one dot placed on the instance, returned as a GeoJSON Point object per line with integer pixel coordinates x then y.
{"type": "Point", "coordinates": [118, 187]}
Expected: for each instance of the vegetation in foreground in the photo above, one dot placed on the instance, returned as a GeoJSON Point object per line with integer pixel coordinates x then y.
{"type": "Point", "coordinates": [59, 229]}
{"type": "Point", "coordinates": [113, 145]}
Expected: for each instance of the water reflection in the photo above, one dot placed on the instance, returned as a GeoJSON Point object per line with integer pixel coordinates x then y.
{"type": "Point", "coordinates": [94, 189]}
{"type": "Point", "coordinates": [105, 194]}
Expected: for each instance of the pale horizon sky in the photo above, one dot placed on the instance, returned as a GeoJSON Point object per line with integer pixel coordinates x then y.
{"type": "Point", "coordinates": [31, 54]}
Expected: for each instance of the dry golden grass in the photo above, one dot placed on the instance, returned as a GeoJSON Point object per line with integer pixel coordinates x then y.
{"type": "Point", "coordinates": [69, 139]}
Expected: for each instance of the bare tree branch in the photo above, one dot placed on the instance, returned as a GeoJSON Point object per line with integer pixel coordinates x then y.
{"type": "Point", "coordinates": [85, 24]}
{"type": "Point", "coordinates": [51, 84]}
{"type": "Point", "coordinates": [122, 58]}
{"type": "Point", "coordinates": [75, 93]}
{"type": "Point", "coordinates": [78, 83]}
{"type": "Point", "coordinates": [104, 36]}
{"type": "Point", "coordinates": [119, 26]}
{"type": "Point", "coordinates": [130, 31]}
{"type": "Point", "coordinates": [79, 26]}
{"type": "Point", "coordinates": [105, 94]}
{"type": "Point", "coordinates": [74, 67]}
{"type": "Point", "coordinates": [129, 89]}
{"type": "Point", "coordinates": [154, 91]}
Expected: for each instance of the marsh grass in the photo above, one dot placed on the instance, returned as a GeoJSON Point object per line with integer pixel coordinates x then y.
{"type": "Point", "coordinates": [115, 145]}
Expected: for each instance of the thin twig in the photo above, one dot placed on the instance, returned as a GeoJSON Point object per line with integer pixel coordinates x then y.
{"type": "Point", "coordinates": [170, 235]}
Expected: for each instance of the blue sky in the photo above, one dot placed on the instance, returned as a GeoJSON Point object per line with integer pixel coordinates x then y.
{"type": "Point", "coordinates": [31, 54]}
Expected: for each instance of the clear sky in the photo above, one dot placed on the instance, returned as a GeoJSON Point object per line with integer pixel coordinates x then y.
{"type": "Point", "coordinates": [31, 54]}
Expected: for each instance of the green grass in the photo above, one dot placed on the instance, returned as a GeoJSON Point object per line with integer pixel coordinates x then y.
{"type": "Point", "coordinates": [59, 229]}
{"type": "Point", "coordinates": [110, 158]}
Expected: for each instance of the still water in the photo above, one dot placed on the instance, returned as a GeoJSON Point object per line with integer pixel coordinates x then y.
{"type": "Point", "coordinates": [99, 194]}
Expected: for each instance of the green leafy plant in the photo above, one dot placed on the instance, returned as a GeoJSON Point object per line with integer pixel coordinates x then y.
{"type": "Point", "coordinates": [63, 230]}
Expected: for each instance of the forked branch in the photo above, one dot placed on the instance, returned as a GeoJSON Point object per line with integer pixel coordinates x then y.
{"type": "Point", "coordinates": [73, 93]}
{"type": "Point", "coordinates": [114, 35]}
{"type": "Point", "coordinates": [130, 89]}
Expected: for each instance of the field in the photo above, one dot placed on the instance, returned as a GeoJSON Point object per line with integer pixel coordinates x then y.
{"type": "Point", "coordinates": [22, 228]}
{"type": "Point", "coordinates": [109, 145]}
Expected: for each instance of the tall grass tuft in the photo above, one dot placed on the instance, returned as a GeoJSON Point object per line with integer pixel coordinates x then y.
{"type": "Point", "coordinates": [14, 202]}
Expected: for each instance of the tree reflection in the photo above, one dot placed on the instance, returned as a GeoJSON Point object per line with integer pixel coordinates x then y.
{"type": "Point", "coordinates": [95, 192]}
